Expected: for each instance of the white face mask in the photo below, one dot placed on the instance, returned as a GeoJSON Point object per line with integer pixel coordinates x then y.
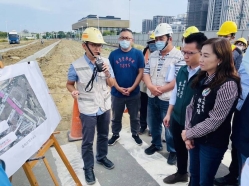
{"type": "Point", "coordinates": [239, 47]}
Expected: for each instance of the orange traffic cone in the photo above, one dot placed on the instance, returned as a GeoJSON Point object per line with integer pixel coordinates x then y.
{"type": "Point", "coordinates": [126, 110]}
{"type": "Point", "coordinates": [76, 127]}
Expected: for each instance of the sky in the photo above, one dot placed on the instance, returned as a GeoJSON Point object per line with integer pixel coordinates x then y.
{"type": "Point", "coordinates": [59, 15]}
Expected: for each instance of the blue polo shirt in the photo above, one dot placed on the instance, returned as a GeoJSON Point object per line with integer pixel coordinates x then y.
{"type": "Point", "coordinates": [72, 76]}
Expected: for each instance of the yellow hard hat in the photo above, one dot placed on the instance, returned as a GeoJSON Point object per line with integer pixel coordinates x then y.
{"type": "Point", "coordinates": [152, 36]}
{"type": "Point", "coordinates": [190, 30]}
{"type": "Point", "coordinates": [243, 40]}
{"type": "Point", "coordinates": [227, 28]}
{"type": "Point", "coordinates": [93, 35]}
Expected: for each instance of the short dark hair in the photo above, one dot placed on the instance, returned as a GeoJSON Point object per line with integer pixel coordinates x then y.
{"type": "Point", "coordinates": [125, 30]}
{"type": "Point", "coordinates": [199, 38]}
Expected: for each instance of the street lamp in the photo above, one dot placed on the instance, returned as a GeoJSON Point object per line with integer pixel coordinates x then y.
{"type": "Point", "coordinates": [129, 13]}
{"type": "Point", "coordinates": [98, 21]}
{"type": "Point", "coordinates": [6, 29]}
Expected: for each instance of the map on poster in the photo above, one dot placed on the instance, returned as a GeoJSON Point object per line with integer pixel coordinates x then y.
{"type": "Point", "coordinates": [28, 115]}
{"type": "Point", "coordinates": [20, 111]}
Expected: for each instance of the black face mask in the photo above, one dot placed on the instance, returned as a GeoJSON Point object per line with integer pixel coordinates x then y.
{"type": "Point", "coordinates": [152, 47]}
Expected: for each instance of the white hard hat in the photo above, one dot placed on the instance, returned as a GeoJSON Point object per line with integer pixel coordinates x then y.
{"type": "Point", "coordinates": [163, 29]}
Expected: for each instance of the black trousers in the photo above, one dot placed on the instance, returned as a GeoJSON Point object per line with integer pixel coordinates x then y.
{"type": "Point", "coordinates": [143, 110]}
{"type": "Point", "coordinates": [234, 166]}
{"type": "Point", "coordinates": [180, 147]}
{"type": "Point", "coordinates": [89, 123]}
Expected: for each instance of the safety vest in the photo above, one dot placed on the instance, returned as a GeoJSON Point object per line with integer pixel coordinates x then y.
{"type": "Point", "coordinates": [233, 47]}
{"type": "Point", "coordinates": [158, 78]}
{"type": "Point", "coordinates": [99, 96]}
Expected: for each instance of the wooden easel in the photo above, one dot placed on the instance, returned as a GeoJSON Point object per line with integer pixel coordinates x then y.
{"type": "Point", "coordinates": [27, 167]}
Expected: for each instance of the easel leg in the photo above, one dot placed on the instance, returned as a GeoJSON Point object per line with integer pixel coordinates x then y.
{"type": "Point", "coordinates": [51, 172]}
{"type": "Point", "coordinates": [30, 175]}
{"type": "Point", "coordinates": [65, 161]}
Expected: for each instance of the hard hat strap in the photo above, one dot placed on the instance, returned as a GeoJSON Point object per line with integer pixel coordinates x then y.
{"type": "Point", "coordinates": [86, 43]}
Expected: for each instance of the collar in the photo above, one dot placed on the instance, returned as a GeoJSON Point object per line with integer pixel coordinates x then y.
{"type": "Point", "coordinates": [88, 60]}
{"type": "Point", "coordinates": [209, 78]}
{"type": "Point", "coordinates": [167, 53]}
{"type": "Point", "coordinates": [193, 70]}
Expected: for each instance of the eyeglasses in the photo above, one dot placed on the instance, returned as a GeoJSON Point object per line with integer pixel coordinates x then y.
{"type": "Point", "coordinates": [95, 45]}
{"type": "Point", "coordinates": [125, 38]}
{"type": "Point", "coordinates": [189, 53]}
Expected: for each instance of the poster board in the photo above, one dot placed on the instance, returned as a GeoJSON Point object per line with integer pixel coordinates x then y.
{"type": "Point", "coordinates": [28, 114]}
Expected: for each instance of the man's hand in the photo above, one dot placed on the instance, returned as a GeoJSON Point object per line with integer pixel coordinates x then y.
{"type": "Point", "coordinates": [184, 138]}
{"type": "Point", "coordinates": [75, 94]}
{"type": "Point", "coordinates": [128, 91]}
{"type": "Point", "coordinates": [122, 90]}
{"type": "Point", "coordinates": [155, 90]}
{"type": "Point", "coordinates": [189, 144]}
{"type": "Point", "coordinates": [166, 121]}
{"type": "Point", "coordinates": [105, 69]}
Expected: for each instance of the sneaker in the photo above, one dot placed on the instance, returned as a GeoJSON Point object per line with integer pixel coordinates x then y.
{"type": "Point", "coordinates": [137, 139]}
{"type": "Point", "coordinates": [142, 130]}
{"type": "Point", "coordinates": [113, 140]}
{"type": "Point", "coordinates": [151, 150]}
{"type": "Point", "coordinates": [174, 178]}
{"type": "Point", "coordinates": [227, 180]}
{"type": "Point", "coordinates": [172, 158]}
{"type": "Point", "coordinates": [89, 176]}
{"type": "Point", "coordinates": [106, 163]}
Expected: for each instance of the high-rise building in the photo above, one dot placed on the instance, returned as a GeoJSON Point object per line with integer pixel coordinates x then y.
{"type": "Point", "coordinates": [162, 19]}
{"type": "Point", "coordinates": [220, 11]}
{"type": "Point", "coordinates": [197, 13]}
{"type": "Point", "coordinates": [147, 26]}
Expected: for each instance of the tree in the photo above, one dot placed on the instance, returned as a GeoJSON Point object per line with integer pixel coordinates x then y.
{"type": "Point", "coordinates": [3, 34]}
{"type": "Point", "coordinates": [61, 34]}
{"type": "Point", "coordinates": [38, 36]}
{"type": "Point", "coordinates": [25, 31]}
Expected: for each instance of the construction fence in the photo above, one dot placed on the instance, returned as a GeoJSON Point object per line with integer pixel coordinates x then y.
{"type": "Point", "coordinates": [141, 39]}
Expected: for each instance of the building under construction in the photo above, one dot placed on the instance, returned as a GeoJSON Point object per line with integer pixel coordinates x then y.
{"type": "Point", "coordinates": [197, 13]}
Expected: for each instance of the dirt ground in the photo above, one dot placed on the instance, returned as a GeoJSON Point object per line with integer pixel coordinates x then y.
{"type": "Point", "coordinates": [13, 56]}
{"type": "Point", "coordinates": [55, 70]}
{"type": "Point", "coordinates": [4, 45]}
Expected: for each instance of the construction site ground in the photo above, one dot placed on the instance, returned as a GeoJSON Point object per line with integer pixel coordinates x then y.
{"type": "Point", "coordinates": [132, 166]}
{"type": "Point", "coordinates": [4, 45]}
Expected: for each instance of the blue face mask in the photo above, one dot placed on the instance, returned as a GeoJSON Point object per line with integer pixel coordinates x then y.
{"type": "Point", "coordinates": [124, 44]}
{"type": "Point", "coordinates": [160, 45]}
{"type": "Point", "coordinates": [152, 47]}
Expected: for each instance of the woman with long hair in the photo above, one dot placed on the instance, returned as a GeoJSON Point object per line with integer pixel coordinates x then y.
{"type": "Point", "coordinates": [207, 127]}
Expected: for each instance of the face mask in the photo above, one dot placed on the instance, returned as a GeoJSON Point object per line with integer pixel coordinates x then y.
{"type": "Point", "coordinates": [239, 47]}
{"type": "Point", "coordinates": [160, 45]}
{"type": "Point", "coordinates": [152, 47]}
{"type": "Point", "coordinates": [124, 44]}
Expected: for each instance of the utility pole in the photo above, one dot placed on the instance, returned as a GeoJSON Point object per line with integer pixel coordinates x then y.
{"type": "Point", "coordinates": [129, 13]}
{"type": "Point", "coordinates": [241, 15]}
{"type": "Point", "coordinates": [6, 29]}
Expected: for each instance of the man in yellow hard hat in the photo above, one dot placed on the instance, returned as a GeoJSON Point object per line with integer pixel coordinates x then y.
{"type": "Point", "coordinates": [92, 74]}
{"type": "Point", "coordinates": [187, 32]}
{"type": "Point", "coordinates": [228, 30]}
{"type": "Point", "coordinates": [241, 43]}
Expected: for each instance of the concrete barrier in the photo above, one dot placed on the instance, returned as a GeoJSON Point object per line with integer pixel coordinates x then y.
{"type": "Point", "coordinates": [141, 39]}
{"type": "Point", "coordinates": [42, 53]}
